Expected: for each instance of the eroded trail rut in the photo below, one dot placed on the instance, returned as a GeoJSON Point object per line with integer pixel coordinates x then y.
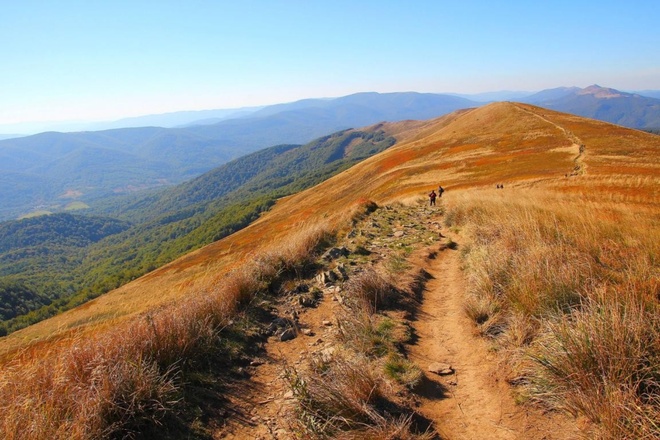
{"type": "Point", "coordinates": [474, 402]}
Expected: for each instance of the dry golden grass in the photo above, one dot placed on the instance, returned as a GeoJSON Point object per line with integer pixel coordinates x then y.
{"type": "Point", "coordinates": [535, 259]}
{"type": "Point", "coordinates": [348, 392]}
{"type": "Point", "coordinates": [571, 294]}
{"type": "Point", "coordinates": [117, 381]}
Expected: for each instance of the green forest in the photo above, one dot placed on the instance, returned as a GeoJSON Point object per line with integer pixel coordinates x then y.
{"type": "Point", "coordinates": [52, 263]}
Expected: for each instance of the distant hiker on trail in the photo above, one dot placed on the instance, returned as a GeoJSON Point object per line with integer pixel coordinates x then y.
{"type": "Point", "coordinates": [440, 191]}
{"type": "Point", "coordinates": [432, 197]}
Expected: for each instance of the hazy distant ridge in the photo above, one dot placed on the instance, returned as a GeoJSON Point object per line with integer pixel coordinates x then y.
{"type": "Point", "coordinates": [102, 163]}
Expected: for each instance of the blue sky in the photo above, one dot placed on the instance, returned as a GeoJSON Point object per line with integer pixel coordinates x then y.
{"type": "Point", "coordinates": [104, 60]}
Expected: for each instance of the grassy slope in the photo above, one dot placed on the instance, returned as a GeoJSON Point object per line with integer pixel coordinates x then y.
{"type": "Point", "coordinates": [513, 144]}
{"type": "Point", "coordinates": [529, 150]}
{"type": "Point", "coordinates": [173, 222]}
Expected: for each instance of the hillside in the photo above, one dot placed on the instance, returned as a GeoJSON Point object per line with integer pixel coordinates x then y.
{"type": "Point", "coordinates": [62, 268]}
{"type": "Point", "coordinates": [48, 171]}
{"type": "Point", "coordinates": [551, 260]}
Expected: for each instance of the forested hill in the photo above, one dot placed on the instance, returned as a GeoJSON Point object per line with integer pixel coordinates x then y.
{"type": "Point", "coordinates": [36, 253]}
{"type": "Point", "coordinates": [165, 225]}
{"type": "Point", "coordinates": [57, 230]}
{"type": "Point", "coordinates": [284, 169]}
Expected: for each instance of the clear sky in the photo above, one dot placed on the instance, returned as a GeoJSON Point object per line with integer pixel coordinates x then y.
{"type": "Point", "coordinates": [105, 60]}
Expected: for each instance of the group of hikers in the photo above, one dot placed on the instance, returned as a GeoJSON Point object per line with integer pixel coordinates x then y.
{"type": "Point", "coordinates": [433, 195]}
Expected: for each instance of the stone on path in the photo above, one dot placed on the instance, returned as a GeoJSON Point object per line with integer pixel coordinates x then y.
{"type": "Point", "coordinates": [441, 369]}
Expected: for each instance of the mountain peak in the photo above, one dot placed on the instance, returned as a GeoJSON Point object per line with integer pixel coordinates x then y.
{"type": "Point", "coordinates": [600, 92]}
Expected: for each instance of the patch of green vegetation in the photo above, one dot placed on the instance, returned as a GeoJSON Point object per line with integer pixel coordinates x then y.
{"type": "Point", "coordinates": [76, 206]}
{"type": "Point", "coordinates": [65, 265]}
{"type": "Point", "coordinates": [35, 214]}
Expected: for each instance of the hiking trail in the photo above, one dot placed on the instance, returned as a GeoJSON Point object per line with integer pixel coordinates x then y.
{"type": "Point", "coordinates": [474, 402]}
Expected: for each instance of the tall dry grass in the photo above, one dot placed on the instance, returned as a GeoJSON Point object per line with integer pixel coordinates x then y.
{"type": "Point", "coordinates": [351, 391]}
{"type": "Point", "coordinates": [125, 380]}
{"type": "Point", "coordinates": [570, 292]}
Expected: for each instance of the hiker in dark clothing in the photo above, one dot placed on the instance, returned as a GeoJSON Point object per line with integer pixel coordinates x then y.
{"type": "Point", "coordinates": [440, 191]}
{"type": "Point", "coordinates": [432, 197]}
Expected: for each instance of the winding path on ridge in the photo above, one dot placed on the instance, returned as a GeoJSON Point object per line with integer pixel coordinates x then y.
{"type": "Point", "coordinates": [475, 402]}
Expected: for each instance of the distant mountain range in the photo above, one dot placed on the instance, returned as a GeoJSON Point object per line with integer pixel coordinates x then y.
{"type": "Point", "coordinates": [610, 105]}
{"type": "Point", "coordinates": [53, 171]}
{"type": "Point", "coordinates": [47, 171]}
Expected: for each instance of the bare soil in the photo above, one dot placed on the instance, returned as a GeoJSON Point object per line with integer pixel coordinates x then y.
{"type": "Point", "coordinates": [475, 402]}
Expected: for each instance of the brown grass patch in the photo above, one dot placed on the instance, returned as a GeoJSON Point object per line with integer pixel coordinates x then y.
{"type": "Point", "coordinates": [570, 293]}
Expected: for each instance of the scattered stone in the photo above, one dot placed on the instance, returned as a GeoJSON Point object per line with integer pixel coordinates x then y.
{"type": "Point", "coordinates": [326, 354]}
{"type": "Point", "coordinates": [399, 234]}
{"type": "Point", "coordinates": [343, 275]}
{"type": "Point", "coordinates": [306, 301]}
{"type": "Point", "coordinates": [326, 323]}
{"type": "Point", "coordinates": [288, 395]}
{"type": "Point", "coordinates": [325, 278]}
{"type": "Point", "coordinates": [441, 369]}
{"type": "Point", "coordinates": [256, 362]}
{"type": "Point", "coordinates": [307, 332]}
{"type": "Point", "coordinates": [334, 253]}
{"type": "Point", "coordinates": [288, 334]}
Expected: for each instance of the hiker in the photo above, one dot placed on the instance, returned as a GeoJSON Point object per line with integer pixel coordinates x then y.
{"type": "Point", "coordinates": [432, 197]}
{"type": "Point", "coordinates": [440, 191]}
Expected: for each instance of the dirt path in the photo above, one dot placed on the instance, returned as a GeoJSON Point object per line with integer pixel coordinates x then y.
{"type": "Point", "coordinates": [475, 402]}
{"type": "Point", "coordinates": [579, 147]}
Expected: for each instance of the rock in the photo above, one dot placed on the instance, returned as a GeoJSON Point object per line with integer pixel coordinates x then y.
{"type": "Point", "coordinates": [256, 362]}
{"type": "Point", "coordinates": [399, 234]}
{"type": "Point", "coordinates": [325, 278]}
{"type": "Point", "coordinates": [334, 253]}
{"type": "Point", "coordinates": [307, 332]}
{"type": "Point", "coordinates": [327, 323]}
{"type": "Point", "coordinates": [306, 301]}
{"type": "Point", "coordinates": [326, 354]}
{"type": "Point", "coordinates": [288, 334]}
{"type": "Point", "coordinates": [441, 369]}
{"type": "Point", "coordinates": [342, 272]}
